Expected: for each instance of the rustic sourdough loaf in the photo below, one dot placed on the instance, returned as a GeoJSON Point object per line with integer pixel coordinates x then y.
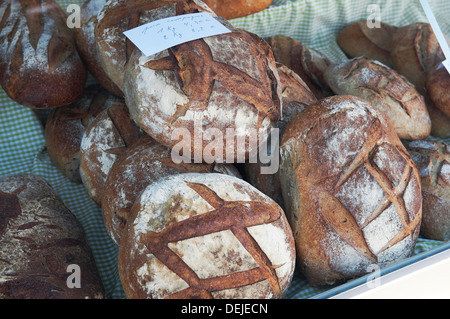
{"type": "Point", "coordinates": [227, 83]}
{"type": "Point", "coordinates": [206, 236]}
{"type": "Point", "coordinates": [39, 64]}
{"type": "Point", "coordinates": [385, 89]}
{"type": "Point", "coordinates": [438, 86]}
{"type": "Point", "coordinates": [352, 193]}
{"type": "Point", "coordinates": [39, 239]}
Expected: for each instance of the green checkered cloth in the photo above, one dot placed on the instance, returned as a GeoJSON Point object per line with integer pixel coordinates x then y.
{"type": "Point", "coordinates": [314, 23]}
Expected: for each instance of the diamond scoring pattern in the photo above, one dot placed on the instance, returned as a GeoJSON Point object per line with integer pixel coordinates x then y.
{"type": "Point", "coordinates": [346, 226]}
{"type": "Point", "coordinates": [235, 216]}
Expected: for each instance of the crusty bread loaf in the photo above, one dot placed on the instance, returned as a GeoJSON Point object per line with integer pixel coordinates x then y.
{"type": "Point", "coordinates": [140, 165]}
{"type": "Point", "coordinates": [230, 9]}
{"type": "Point", "coordinates": [87, 47]}
{"type": "Point", "coordinates": [438, 86]}
{"type": "Point", "coordinates": [224, 82]}
{"type": "Point", "coordinates": [66, 125]}
{"type": "Point", "coordinates": [433, 161]}
{"type": "Point", "coordinates": [415, 52]}
{"type": "Point", "coordinates": [352, 193]}
{"type": "Point", "coordinates": [358, 39]}
{"type": "Point", "coordinates": [206, 236]}
{"type": "Point", "coordinates": [39, 64]}
{"type": "Point", "coordinates": [39, 239]}
{"type": "Point", "coordinates": [385, 89]}
{"type": "Point", "coordinates": [105, 138]}
{"type": "Point", "coordinates": [308, 63]}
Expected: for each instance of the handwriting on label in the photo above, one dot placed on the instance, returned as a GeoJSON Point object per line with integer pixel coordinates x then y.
{"type": "Point", "coordinates": [160, 35]}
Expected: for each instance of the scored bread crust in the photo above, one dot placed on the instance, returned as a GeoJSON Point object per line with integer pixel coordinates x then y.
{"type": "Point", "coordinates": [39, 239]}
{"type": "Point", "coordinates": [352, 193]}
{"type": "Point", "coordinates": [206, 236]}
{"type": "Point", "coordinates": [39, 64]}
{"type": "Point", "coordinates": [385, 89]}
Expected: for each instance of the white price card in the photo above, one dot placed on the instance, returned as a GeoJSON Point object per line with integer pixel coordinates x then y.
{"type": "Point", "coordinates": [438, 32]}
{"type": "Point", "coordinates": [163, 34]}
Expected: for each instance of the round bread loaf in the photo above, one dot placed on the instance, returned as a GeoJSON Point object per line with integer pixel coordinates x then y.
{"type": "Point", "coordinates": [385, 89]}
{"type": "Point", "coordinates": [433, 161]}
{"type": "Point", "coordinates": [237, 8]}
{"type": "Point", "coordinates": [43, 247]}
{"type": "Point", "coordinates": [308, 63]}
{"type": "Point", "coordinates": [66, 125]}
{"type": "Point", "coordinates": [352, 193]}
{"type": "Point", "coordinates": [87, 47]}
{"type": "Point", "coordinates": [105, 138]}
{"type": "Point", "coordinates": [220, 93]}
{"type": "Point", "coordinates": [39, 64]}
{"type": "Point", "coordinates": [140, 165]}
{"type": "Point", "coordinates": [206, 236]}
{"type": "Point", "coordinates": [358, 39]}
{"type": "Point", "coordinates": [415, 52]}
{"type": "Point", "coordinates": [438, 86]}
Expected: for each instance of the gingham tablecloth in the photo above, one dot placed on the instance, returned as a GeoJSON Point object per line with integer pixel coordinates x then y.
{"type": "Point", "coordinates": [314, 23]}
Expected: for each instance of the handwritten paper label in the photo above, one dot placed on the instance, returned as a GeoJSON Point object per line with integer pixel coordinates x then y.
{"type": "Point", "coordinates": [162, 34]}
{"type": "Point", "coordinates": [438, 32]}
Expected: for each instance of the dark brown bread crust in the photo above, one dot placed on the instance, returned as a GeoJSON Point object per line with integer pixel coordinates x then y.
{"type": "Point", "coordinates": [352, 192]}
{"type": "Point", "coordinates": [438, 86]}
{"type": "Point", "coordinates": [39, 239]}
{"type": "Point", "coordinates": [433, 161]}
{"type": "Point", "coordinates": [308, 63]}
{"type": "Point", "coordinates": [66, 125]}
{"type": "Point", "coordinates": [231, 9]}
{"type": "Point", "coordinates": [39, 64]}
{"type": "Point", "coordinates": [87, 47]}
{"type": "Point", "coordinates": [357, 40]}
{"type": "Point", "coordinates": [415, 53]}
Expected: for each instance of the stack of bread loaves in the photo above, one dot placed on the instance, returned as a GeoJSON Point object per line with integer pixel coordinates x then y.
{"type": "Point", "coordinates": [175, 149]}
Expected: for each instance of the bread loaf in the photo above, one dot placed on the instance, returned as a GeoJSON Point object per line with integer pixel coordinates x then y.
{"type": "Point", "coordinates": [206, 236]}
{"type": "Point", "coordinates": [308, 63]}
{"type": "Point", "coordinates": [66, 125]}
{"type": "Point", "coordinates": [358, 39]}
{"type": "Point", "coordinates": [224, 83]}
{"type": "Point", "coordinates": [438, 86]}
{"type": "Point", "coordinates": [87, 47]}
{"type": "Point", "coordinates": [385, 89]}
{"type": "Point", "coordinates": [140, 165]}
{"type": "Point", "coordinates": [39, 64]}
{"type": "Point", "coordinates": [415, 52]}
{"type": "Point", "coordinates": [237, 8]}
{"type": "Point", "coordinates": [433, 161]}
{"type": "Point", "coordinates": [41, 240]}
{"type": "Point", "coordinates": [352, 193]}
{"type": "Point", "coordinates": [105, 138]}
